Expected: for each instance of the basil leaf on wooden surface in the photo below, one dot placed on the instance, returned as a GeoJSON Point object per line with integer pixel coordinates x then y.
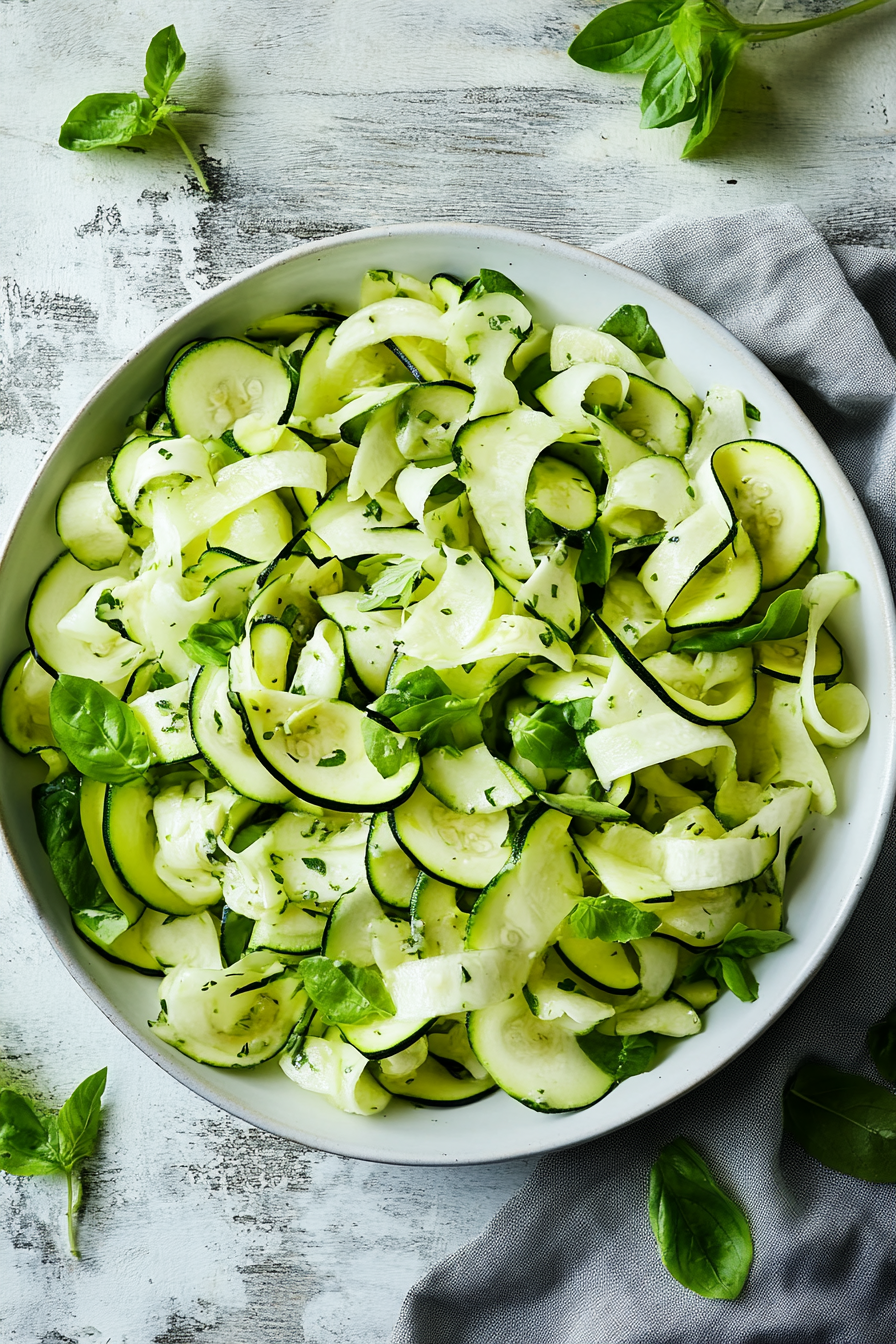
{"type": "Point", "coordinates": [103, 120]}
{"type": "Point", "coordinates": [100, 735]}
{"type": "Point", "coordinates": [843, 1121]}
{"type": "Point", "coordinates": [385, 751]}
{"type": "Point", "coordinates": [610, 919]}
{"type": "Point", "coordinates": [631, 325]}
{"type": "Point", "coordinates": [626, 38]}
{"type": "Point", "coordinates": [785, 619]}
{"type": "Point", "coordinates": [165, 60]}
{"type": "Point", "coordinates": [78, 1121]}
{"type": "Point", "coordinates": [881, 1043]}
{"type": "Point", "coordinates": [57, 815]}
{"type": "Point", "coordinates": [345, 993]}
{"type": "Point", "coordinates": [703, 1237]}
{"type": "Point", "coordinates": [668, 95]}
{"type": "Point", "coordinates": [26, 1144]}
{"type": "Point", "coordinates": [619, 1056]}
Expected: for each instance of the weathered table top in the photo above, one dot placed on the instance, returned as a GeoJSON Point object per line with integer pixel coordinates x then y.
{"type": "Point", "coordinates": [315, 118]}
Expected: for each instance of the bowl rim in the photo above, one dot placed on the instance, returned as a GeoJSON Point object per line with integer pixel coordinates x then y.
{"type": "Point", "coordinates": [864, 864]}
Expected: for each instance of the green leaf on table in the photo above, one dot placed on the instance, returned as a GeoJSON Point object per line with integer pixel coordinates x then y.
{"type": "Point", "coordinates": [703, 1237]}
{"type": "Point", "coordinates": [387, 752]}
{"type": "Point", "coordinates": [668, 94]}
{"type": "Point", "coordinates": [35, 1145]}
{"type": "Point", "coordinates": [548, 739]}
{"type": "Point", "coordinates": [723, 54]}
{"type": "Point", "coordinates": [631, 325]}
{"type": "Point", "coordinates": [101, 736]}
{"type": "Point", "coordinates": [344, 993]}
{"type": "Point", "coordinates": [619, 1056]}
{"type": "Point", "coordinates": [422, 705]}
{"type": "Point", "coordinates": [881, 1043]}
{"type": "Point", "coordinates": [57, 815]}
{"type": "Point", "coordinates": [626, 38]}
{"type": "Point", "coordinates": [393, 588]}
{"type": "Point", "coordinates": [843, 1121]}
{"type": "Point", "coordinates": [610, 919]}
{"type": "Point", "coordinates": [786, 618]}
{"type": "Point", "coordinates": [165, 60]}
{"type": "Point", "coordinates": [103, 120]}
{"type": "Point", "coordinates": [211, 641]}
{"type": "Point", "coordinates": [26, 1144]}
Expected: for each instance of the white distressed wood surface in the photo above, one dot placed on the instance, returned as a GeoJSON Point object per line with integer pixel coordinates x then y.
{"type": "Point", "coordinates": [314, 116]}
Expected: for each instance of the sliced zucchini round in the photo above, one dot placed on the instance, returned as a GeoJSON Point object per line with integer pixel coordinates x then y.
{"type": "Point", "coordinates": [655, 418]}
{"type": "Point", "coordinates": [783, 658]}
{"type": "Point", "coordinates": [292, 931]}
{"type": "Point", "coordinates": [215, 383]}
{"type": "Point", "coordinates": [316, 748]}
{"type": "Point", "coordinates": [219, 734]}
{"type": "Point", "coordinates": [777, 502]}
{"type": "Point", "coordinates": [604, 965]}
{"type": "Point", "coordinates": [465, 850]}
{"type": "Point", "coordinates": [538, 1063]}
{"type": "Point", "coordinates": [563, 494]}
{"type": "Point", "coordinates": [391, 874]}
{"type": "Point", "coordinates": [129, 832]}
{"type": "Point", "coordinates": [721, 591]}
{"type": "Point", "coordinates": [474, 780]}
{"type": "Point", "coordinates": [25, 706]}
{"type": "Point", "coordinates": [434, 1083]}
{"type": "Point", "coordinates": [82, 646]}
{"type": "Point", "coordinates": [88, 519]}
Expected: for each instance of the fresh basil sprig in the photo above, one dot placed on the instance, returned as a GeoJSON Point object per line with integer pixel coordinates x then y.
{"type": "Point", "coordinates": [631, 325]}
{"type": "Point", "coordinates": [103, 120]}
{"type": "Point", "coordinates": [785, 619]}
{"type": "Point", "coordinates": [881, 1043]}
{"type": "Point", "coordinates": [385, 751]}
{"type": "Point", "coordinates": [345, 993]}
{"type": "Point", "coordinates": [619, 1056]}
{"type": "Point", "coordinates": [686, 50]}
{"type": "Point", "coordinates": [101, 736]}
{"type": "Point", "coordinates": [703, 1238]}
{"type": "Point", "coordinates": [423, 706]}
{"type": "Point", "coordinates": [35, 1144]}
{"type": "Point", "coordinates": [57, 815]}
{"type": "Point", "coordinates": [610, 919]}
{"type": "Point", "coordinates": [727, 963]}
{"type": "Point", "coordinates": [211, 641]}
{"type": "Point", "coordinates": [549, 737]}
{"type": "Point", "coordinates": [843, 1121]}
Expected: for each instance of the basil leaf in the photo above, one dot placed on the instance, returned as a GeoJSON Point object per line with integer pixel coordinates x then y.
{"type": "Point", "coordinates": [610, 919]}
{"type": "Point", "coordinates": [723, 54]}
{"type": "Point", "coordinates": [26, 1146]}
{"type": "Point", "coordinates": [211, 641]}
{"type": "Point", "coordinates": [547, 740]}
{"type": "Point", "coordinates": [165, 60]}
{"type": "Point", "coordinates": [703, 1238]}
{"type": "Point", "coordinates": [236, 930]}
{"type": "Point", "coordinates": [492, 282]}
{"type": "Point", "coordinates": [338, 758]}
{"type": "Point", "coordinates": [619, 1056]}
{"type": "Point", "coordinates": [736, 974]}
{"type": "Point", "coordinates": [105, 119]}
{"type": "Point", "coordinates": [668, 95]}
{"type": "Point", "coordinates": [785, 619]}
{"type": "Point", "coordinates": [743, 942]}
{"type": "Point", "coordinates": [100, 735]}
{"type": "Point", "coordinates": [386, 752]}
{"type": "Point", "coordinates": [593, 564]}
{"type": "Point", "coordinates": [57, 815]}
{"type": "Point", "coordinates": [533, 376]}
{"type": "Point", "coordinates": [422, 704]}
{"type": "Point", "coordinates": [78, 1121]}
{"type": "Point", "coordinates": [881, 1043]}
{"type": "Point", "coordinates": [625, 38]}
{"type": "Point", "coordinates": [394, 587]}
{"type": "Point", "coordinates": [843, 1121]}
{"type": "Point", "coordinates": [583, 805]}
{"type": "Point", "coordinates": [631, 325]}
{"type": "Point", "coordinates": [345, 993]}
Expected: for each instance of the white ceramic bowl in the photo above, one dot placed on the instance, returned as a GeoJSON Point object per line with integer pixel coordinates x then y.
{"type": "Point", "coordinates": [569, 285]}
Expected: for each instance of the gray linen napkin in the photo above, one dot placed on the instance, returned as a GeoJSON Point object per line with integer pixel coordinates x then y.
{"type": "Point", "coordinates": [571, 1259]}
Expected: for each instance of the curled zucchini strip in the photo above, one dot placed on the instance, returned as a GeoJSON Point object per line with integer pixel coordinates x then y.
{"type": "Point", "coordinates": [847, 713]}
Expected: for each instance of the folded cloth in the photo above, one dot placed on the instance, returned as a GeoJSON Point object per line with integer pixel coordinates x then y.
{"type": "Point", "coordinates": [571, 1259]}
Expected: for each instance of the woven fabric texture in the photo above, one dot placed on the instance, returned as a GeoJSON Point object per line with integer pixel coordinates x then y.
{"type": "Point", "coordinates": [571, 1259]}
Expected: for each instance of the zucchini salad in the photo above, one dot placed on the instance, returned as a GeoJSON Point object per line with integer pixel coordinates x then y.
{"type": "Point", "coordinates": [434, 699]}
